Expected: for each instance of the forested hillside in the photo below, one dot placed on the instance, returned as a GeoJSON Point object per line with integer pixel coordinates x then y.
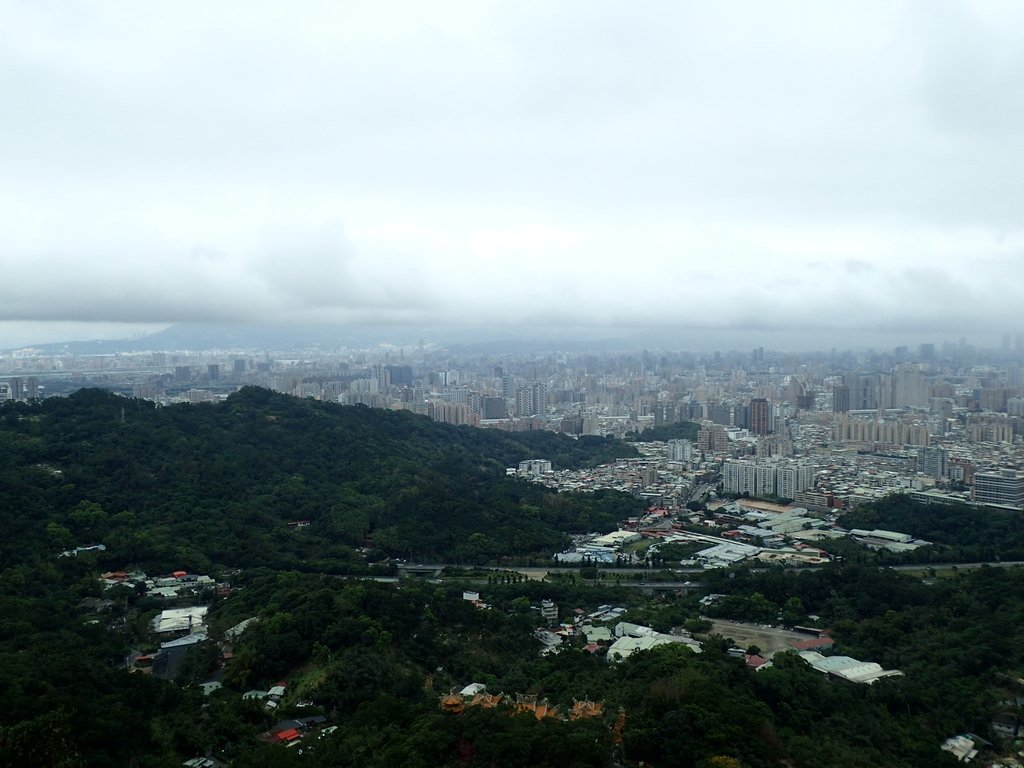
{"type": "Point", "coordinates": [375, 660]}
{"type": "Point", "coordinates": [195, 486]}
{"type": "Point", "coordinates": [213, 489]}
{"type": "Point", "coordinates": [959, 533]}
{"type": "Point", "coordinates": [368, 652]}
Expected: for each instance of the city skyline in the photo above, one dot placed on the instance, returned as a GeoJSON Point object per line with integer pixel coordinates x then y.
{"type": "Point", "coordinates": [498, 340]}
{"type": "Point", "coordinates": [742, 171]}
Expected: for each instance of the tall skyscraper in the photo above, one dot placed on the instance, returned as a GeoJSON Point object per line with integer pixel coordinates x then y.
{"type": "Point", "coordinates": [909, 387]}
{"type": "Point", "coordinates": [720, 413]}
{"type": "Point", "coordinates": [760, 416]}
{"type": "Point", "coordinates": [863, 391]}
{"type": "Point", "coordinates": [399, 375]}
{"type": "Point", "coordinates": [840, 399]}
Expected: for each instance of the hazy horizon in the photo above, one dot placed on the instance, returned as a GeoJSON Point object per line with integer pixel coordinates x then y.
{"type": "Point", "coordinates": [633, 338]}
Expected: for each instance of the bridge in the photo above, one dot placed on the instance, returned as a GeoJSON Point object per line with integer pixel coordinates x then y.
{"type": "Point", "coordinates": [412, 571]}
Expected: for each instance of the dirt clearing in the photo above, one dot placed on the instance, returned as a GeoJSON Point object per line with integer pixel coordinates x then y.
{"type": "Point", "coordinates": [768, 639]}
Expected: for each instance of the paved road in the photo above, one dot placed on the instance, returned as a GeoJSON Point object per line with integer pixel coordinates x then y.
{"type": "Point", "coordinates": [537, 572]}
{"type": "Point", "coordinates": [543, 569]}
{"type": "Point", "coordinates": [958, 566]}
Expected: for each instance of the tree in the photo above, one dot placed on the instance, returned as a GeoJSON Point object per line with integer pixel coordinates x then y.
{"type": "Point", "coordinates": [59, 535]}
{"type": "Point", "coordinates": [88, 518]}
{"type": "Point", "coordinates": [793, 612]}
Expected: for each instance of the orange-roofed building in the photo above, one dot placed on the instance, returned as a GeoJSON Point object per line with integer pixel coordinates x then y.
{"type": "Point", "coordinates": [486, 700]}
{"type": "Point", "coordinates": [543, 710]}
{"type": "Point", "coordinates": [585, 708]}
{"type": "Point", "coordinates": [452, 704]}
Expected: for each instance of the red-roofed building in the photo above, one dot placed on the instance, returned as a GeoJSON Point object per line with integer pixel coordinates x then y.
{"type": "Point", "coordinates": [809, 549]}
{"type": "Point", "coordinates": [286, 736]}
{"type": "Point", "coordinates": [814, 644]}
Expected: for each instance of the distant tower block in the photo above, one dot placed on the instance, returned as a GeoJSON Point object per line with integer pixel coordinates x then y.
{"type": "Point", "coordinates": [760, 410]}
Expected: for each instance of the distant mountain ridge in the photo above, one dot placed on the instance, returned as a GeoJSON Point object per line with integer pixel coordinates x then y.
{"type": "Point", "coordinates": [287, 339]}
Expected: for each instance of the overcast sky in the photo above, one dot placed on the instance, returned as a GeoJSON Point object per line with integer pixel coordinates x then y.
{"type": "Point", "coordinates": [854, 167]}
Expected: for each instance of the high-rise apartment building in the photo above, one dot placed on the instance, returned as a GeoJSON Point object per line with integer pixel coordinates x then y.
{"type": "Point", "coordinates": [790, 479]}
{"type": "Point", "coordinates": [712, 438]}
{"type": "Point", "coordinates": [720, 413]}
{"type": "Point", "coordinates": [840, 399]}
{"type": "Point", "coordinates": [760, 416]}
{"type": "Point", "coordinates": [909, 388]}
{"type": "Point", "coordinates": [493, 408]}
{"type": "Point", "coordinates": [741, 416]}
{"type": "Point", "coordinates": [532, 400]}
{"type": "Point", "coordinates": [863, 391]}
{"type": "Point", "coordinates": [399, 375]}
{"type": "Point", "coordinates": [664, 413]}
{"type": "Point", "coordinates": [933, 461]}
{"type": "Point", "coordinates": [767, 478]}
{"type": "Point", "coordinates": [680, 450]}
{"type": "Point", "coordinates": [740, 477]}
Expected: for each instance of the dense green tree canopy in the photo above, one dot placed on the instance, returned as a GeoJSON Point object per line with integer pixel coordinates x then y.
{"type": "Point", "coordinates": [213, 488]}
{"type": "Point", "coordinates": [194, 486]}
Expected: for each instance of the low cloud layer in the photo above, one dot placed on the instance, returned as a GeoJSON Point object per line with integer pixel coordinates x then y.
{"type": "Point", "coordinates": [733, 166]}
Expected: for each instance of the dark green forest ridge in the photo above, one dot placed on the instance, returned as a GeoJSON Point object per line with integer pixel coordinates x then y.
{"type": "Point", "coordinates": [206, 488]}
{"type": "Point", "coordinates": [196, 486]}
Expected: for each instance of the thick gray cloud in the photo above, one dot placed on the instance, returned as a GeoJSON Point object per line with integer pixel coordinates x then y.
{"type": "Point", "coordinates": [718, 165]}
